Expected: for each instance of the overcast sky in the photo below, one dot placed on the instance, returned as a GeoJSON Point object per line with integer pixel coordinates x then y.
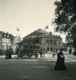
{"type": "Point", "coordinates": [27, 15]}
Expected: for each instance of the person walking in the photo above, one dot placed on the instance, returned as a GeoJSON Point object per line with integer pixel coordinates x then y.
{"type": "Point", "coordinates": [60, 63]}
{"type": "Point", "coordinates": [40, 53]}
{"type": "Point", "coordinates": [70, 50]}
{"type": "Point", "coordinates": [53, 55]}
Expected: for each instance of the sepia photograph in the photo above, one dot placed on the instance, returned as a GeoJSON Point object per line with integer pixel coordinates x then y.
{"type": "Point", "coordinates": [37, 40]}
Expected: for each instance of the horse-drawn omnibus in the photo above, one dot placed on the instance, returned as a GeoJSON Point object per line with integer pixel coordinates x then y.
{"type": "Point", "coordinates": [27, 50]}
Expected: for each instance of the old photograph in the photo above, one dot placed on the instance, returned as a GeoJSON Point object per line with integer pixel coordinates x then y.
{"type": "Point", "coordinates": [37, 40]}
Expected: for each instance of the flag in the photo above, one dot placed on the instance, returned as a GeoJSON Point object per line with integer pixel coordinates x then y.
{"type": "Point", "coordinates": [46, 27]}
{"type": "Point", "coordinates": [18, 29]}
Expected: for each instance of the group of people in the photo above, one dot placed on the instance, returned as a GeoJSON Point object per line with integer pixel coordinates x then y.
{"type": "Point", "coordinates": [72, 51]}
{"type": "Point", "coordinates": [42, 53]}
{"type": "Point", "coordinates": [60, 63]}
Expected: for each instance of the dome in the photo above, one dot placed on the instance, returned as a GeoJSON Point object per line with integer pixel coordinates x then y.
{"type": "Point", "coordinates": [40, 31]}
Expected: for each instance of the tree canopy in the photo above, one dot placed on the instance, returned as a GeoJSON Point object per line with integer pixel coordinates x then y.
{"type": "Point", "coordinates": [65, 17]}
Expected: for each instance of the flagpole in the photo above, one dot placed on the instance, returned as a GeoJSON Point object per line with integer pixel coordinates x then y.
{"type": "Point", "coordinates": [18, 34]}
{"type": "Point", "coordinates": [18, 31]}
{"type": "Point", "coordinates": [54, 29]}
{"type": "Point", "coordinates": [53, 25]}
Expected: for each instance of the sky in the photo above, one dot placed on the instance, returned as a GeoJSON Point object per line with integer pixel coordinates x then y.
{"type": "Point", "coordinates": [27, 15]}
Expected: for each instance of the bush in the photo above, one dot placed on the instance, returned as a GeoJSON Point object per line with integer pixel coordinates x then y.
{"type": "Point", "coordinates": [1, 52]}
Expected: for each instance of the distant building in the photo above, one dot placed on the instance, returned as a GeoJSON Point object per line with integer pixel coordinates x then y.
{"type": "Point", "coordinates": [6, 40]}
{"type": "Point", "coordinates": [17, 40]}
{"type": "Point", "coordinates": [48, 41]}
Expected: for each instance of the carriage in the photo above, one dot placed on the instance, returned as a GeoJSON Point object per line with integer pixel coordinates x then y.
{"type": "Point", "coordinates": [28, 50]}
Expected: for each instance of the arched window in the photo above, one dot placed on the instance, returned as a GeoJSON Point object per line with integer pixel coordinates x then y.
{"type": "Point", "coordinates": [51, 41]}
{"type": "Point", "coordinates": [51, 49]}
{"type": "Point", "coordinates": [47, 41]}
{"type": "Point", "coordinates": [47, 48]}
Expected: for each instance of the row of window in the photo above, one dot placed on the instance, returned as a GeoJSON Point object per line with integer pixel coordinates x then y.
{"type": "Point", "coordinates": [5, 40]}
{"type": "Point", "coordinates": [6, 35]}
{"type": "Point", "coordinates": [31, 47]}
{"type": "Point", "coordinates": [50, 41]}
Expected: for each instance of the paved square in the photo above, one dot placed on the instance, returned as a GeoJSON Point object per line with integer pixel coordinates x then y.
{"type": "Point", "coordinates": [37, 69]}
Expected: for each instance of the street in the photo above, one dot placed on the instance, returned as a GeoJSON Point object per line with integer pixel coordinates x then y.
{"type": "Point", "coordinates": [37, 69]}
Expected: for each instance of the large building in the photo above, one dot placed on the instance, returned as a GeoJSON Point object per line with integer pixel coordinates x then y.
{"type": "Point", "coordinates": [51, 42]}
{"type": "Point", "coordinates": [48, 41]}
{"type": "Point", "coordinates": [6, 40]}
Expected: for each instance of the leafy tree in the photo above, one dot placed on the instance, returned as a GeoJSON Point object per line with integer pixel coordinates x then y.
{"type": "Point", "coordinates": [65, 18]}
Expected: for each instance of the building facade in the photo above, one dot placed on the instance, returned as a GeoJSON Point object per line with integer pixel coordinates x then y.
{"type": "Point", "coordinates": [17, 40]}
{"type": "Point", "coordinates": [6, 40]}
{"type": "Point", "coordinates": [51, 42]}
{"type": "Point", "coordinates": [48, 41]}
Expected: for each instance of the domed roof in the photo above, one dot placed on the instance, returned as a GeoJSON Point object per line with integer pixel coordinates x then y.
{"type": "Point", "coordinates": [40, 31]}
{"type": "Point", "coordinates": [36, 33]}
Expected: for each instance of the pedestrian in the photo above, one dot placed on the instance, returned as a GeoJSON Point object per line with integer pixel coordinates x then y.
{"type": "Point", "coordinates": [53, 55]}
{"type": "Point", "coordinates": [70, 50]}
{"type": "Point", "coordinates": [60, 63]}
{"type": "Point", "coordinates": [43, 53]}
{"type": "Point", "coordinates": [40, 53]}
{"type": "Point", "coordinates": [74, 52]}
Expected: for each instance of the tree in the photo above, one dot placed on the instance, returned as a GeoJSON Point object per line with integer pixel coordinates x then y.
{"type": "Point", "coordinates": [65, 18]}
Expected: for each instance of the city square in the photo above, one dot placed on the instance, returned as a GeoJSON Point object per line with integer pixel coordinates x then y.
{"type": "Point", "coordinates": [37, 69]}
{"type": "Point", "coordinates": [37, 40]}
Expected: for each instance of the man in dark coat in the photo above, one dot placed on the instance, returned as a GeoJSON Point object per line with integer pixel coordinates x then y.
{"type": "Point", "coordinates": [60, 65]}
{"type": "Point", "coordinates": [40, 53]}
{"type": "Point", "coordinates": [70, 50]}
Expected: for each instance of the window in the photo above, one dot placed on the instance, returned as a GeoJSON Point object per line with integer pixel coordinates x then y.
{"type": "Point", "coordinates": [7, 36]}
{"type": "Point", "coordinates": [4, 35]}
{"type": "Point", "coordinates": [54, 42]}
{"type": "Point", "coordinates": [47, 41]}
{"type": "Point", "coordinates": [51, 49]}
{"type": "Point", "coordinates": [8, 40]}
{"type": "Point", "coordinates": [4, 40]}
{"type": "Point", "coordinates": [51, 41]}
